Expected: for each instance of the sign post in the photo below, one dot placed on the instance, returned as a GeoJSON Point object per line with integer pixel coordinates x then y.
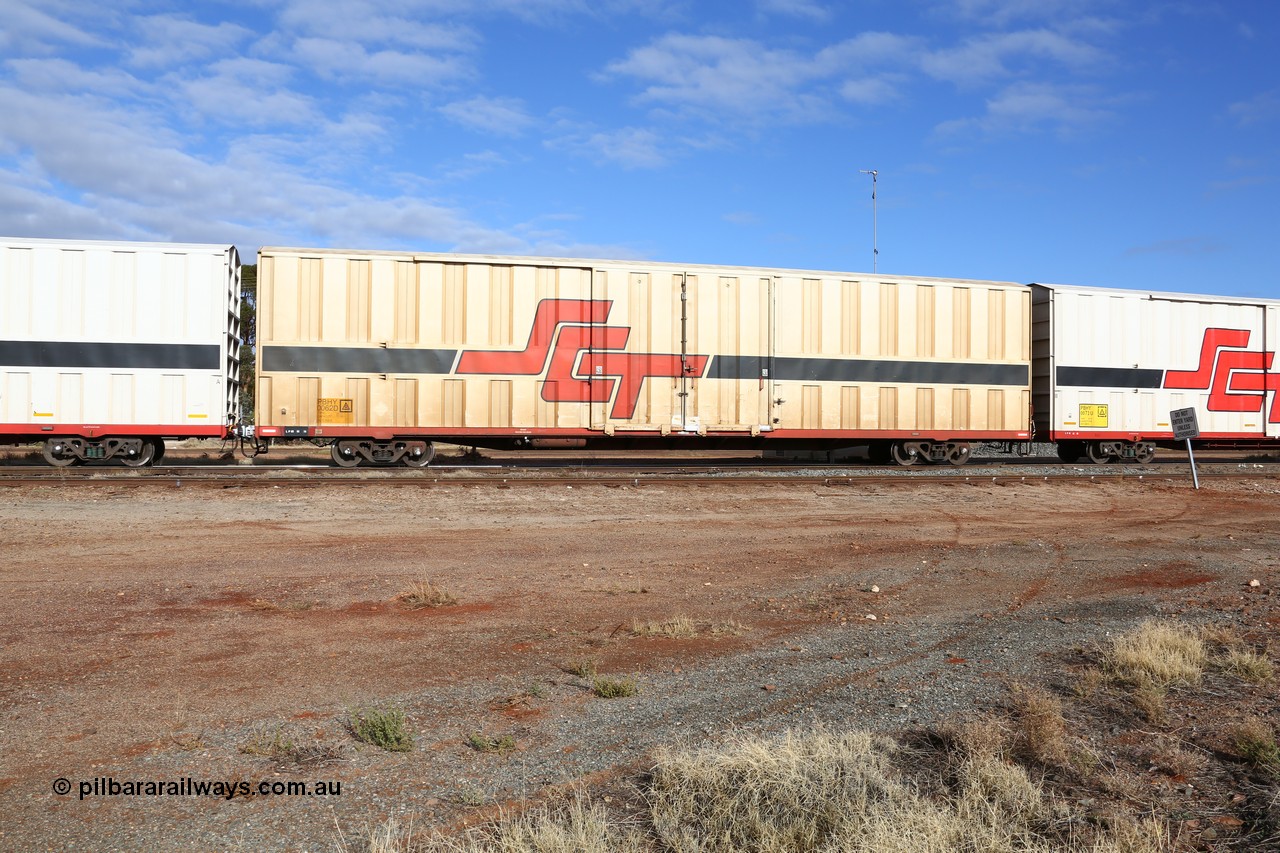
{"type": "Point", "coordinates": [1186, 427]}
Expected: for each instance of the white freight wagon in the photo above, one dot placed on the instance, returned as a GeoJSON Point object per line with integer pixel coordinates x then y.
{"type": "Point", "coordinates": [107, 349]}
{"type": "Point", "coordinates": [382, 353]}
{"type": "Point", "coordinates": [1110, 365]}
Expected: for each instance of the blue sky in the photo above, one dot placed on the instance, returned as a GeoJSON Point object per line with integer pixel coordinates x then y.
{"type": "Point", "coordinates": [1098, 142]}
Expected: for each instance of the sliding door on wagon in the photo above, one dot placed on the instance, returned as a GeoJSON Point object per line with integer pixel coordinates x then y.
{"type": "Point", "coordinates": [1110, 366]}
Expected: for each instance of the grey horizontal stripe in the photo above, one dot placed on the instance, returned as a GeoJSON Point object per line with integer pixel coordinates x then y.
{"type": "Point", "coordinates": [1110, 377]}
{"type": "Point", "coordinates": [870, 370]}
{"type": "Point", "coordinates": [356, 360]}
{"type": "Point", "coordinates": [133, 356]}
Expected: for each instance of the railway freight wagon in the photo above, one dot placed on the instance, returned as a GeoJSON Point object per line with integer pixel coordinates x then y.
{"type": "Point", "coordinates": [107, 349]}
{"type": "Point", "coordinates": [1110, 366]}
{"type": "Point", "coordinates": [383, 353]}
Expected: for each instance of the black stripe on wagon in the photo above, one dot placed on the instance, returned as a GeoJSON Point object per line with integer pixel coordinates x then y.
{"type": "Point", "coordinates": [356, 360]}
{"type": "Point", "coordinates": [132, 356]}
{"type": "Point", "coordinates": [851, 370]}
{"type": "Point", "coordinates": [1110, 377]}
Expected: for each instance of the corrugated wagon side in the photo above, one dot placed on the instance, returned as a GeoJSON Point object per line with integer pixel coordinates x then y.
{"type": "Point", "coordinates": [383, 353]}
{"type": "Point", "coordinates": [108, 348]}
{"type": "Point", "coordinates": [1110, 366]}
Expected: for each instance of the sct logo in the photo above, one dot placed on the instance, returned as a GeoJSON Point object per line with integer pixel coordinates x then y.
{"type": "Point", "coordinates": [1235, 378]}
{"type": "Point", "coordinates": [581, 359]}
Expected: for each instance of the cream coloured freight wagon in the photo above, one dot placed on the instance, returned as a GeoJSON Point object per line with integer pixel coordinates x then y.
{"type": "Point", "coordinates": [1111, 365]}
{"type": "Point", "coordinates": [385, 352]}
{"type": "Point", "coordinates": [108, 348]}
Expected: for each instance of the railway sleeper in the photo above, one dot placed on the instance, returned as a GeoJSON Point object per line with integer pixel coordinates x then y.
{"type": "Point", "coordinates": [348, 453]}
{"type": "Point", "coordinates": [62, 451]}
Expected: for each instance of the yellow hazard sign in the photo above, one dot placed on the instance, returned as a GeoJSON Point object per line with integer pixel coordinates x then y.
{"type": "Point", "coordinates": [1093, 415]}
{"type": "Point", "coordinates": [335, 410]}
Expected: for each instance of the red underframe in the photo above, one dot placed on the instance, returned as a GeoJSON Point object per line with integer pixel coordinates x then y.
{"type": "Point", "coordinates": [1077, 435]}
{"type": "Point", "coordinates": [387, 433]}
{"type": "Point", "coordinates": [34, 432]}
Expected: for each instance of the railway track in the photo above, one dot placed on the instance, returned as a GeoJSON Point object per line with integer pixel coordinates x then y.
{"type": "Point", "coordinates": [506, 476]}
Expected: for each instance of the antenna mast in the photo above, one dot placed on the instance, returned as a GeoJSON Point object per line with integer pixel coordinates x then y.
{"type": "Point", "coordinates": [875, 237]}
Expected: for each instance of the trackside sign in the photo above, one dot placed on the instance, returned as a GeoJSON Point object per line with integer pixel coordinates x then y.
{"type": "Point", "coordinates": [1185, 427]}
{"type": "Point", "coordinates": [1184, 424]}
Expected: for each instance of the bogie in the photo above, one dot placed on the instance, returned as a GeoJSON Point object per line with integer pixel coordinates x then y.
{"type": "Point", "coordinates": [133, 452]}
{"type": "Point", "coordinates": [412, 453]}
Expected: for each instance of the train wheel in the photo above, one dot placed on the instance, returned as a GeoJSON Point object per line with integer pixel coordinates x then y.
{"type": "Point", "coordinates": [1070, 451]}
{"type": "Point", "coordinates": [146, 455]}
{"type": "Point", "coordinates": [1144, 453]}
{"type": "Point", "coordinates": [904, 455]}
{"type": "Point", "coordinates": [1096, 454]}
{"type": "Point", "coordinates": [958, 454]}
{"type": "Point", "coordinates": [344, 454]}
{"type": "Point", "coordinates": [424, 456]}
{"type": "Point", "coordinates": [58, 454]}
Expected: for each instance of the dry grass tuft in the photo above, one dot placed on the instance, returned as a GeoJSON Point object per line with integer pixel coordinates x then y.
{"type": "Point", "coordinates": [1169, 756]}
{"type": "Point", "coordinates": [269, 742]}
{"type": "Point", "coordinates": [677, 627]}
{"type": "Point", "coordinates": [1248, 665]}
{"type": "Point", "coordinates": [1160, 653]}
{"type": "Point", "coordinates": [1088, 681]}
{"type": "Point", "coordinates": [581, 667]}
{"type": "Point", "coordinates": [1041, 728]}
{"type": "Point", "coordinates": [607, 687]}
{"type": "Point", "coordinates": [1148, 697]}
{"type": "Point", "coordinates": [1222, 635]}
{"type": "Point", "coordinates": [977, 738]}
{"type": "Point", "coordinates": [422, 594]}
{"type": "Point", "coordinates": [1255, 740]}
{"type": "Point", "coordinates": [580, 827]}
{"type": "Point", "coordinates": [487, 743]}
{"type": "Point", "coordinates": [816, 791]}
{"type": "Point", "coordinates": [795, 793]}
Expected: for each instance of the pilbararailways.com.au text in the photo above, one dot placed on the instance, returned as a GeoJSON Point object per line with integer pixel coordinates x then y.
{"type": "Point", "coordinates": [109, 786]}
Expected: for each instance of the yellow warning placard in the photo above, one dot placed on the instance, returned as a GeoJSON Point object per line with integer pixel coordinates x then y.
{"type": "Point", "coordinates": [1093, 415]}
{"type": "Point", "coordinates": [335, 410]}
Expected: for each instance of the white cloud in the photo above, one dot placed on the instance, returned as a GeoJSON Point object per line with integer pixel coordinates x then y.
{"type": "Point", "coordinates": [867, 50]}
{"type": "Point", "coordinates": [34, 28]}
{"type": "Point", "coordinates": [723, 78]}
{"type": "Point", "coordinates": [502, 116]}
{"type": "Point", "coordinates": [992, 56]}
{"type": "Point", "coordinates": [233, 84]}
{"type": "Point", "coordinates": [794, 8]}
{"type": "Point", "coordinates": [335, 59]}
{"type": "Point", "coordinates": [1001, 13]}
{"type": "Point", "coordinates": [79, 168]}
{"type": "Point", "coordinates": [1026, 107]}
{"type": "Point", "coordinates": [470, 165]}
{"type": "Point", "coordinates": [1247, 182]}
{"type": "Point", "coordinates": [368, 23]}
{"type": "Point", "coordinates": [870, 90]}
{"type": "Point", "coordinates": [629, 147]}
{"type": "Point", "coordinates": [60, 75]}
{"type": "Point", "coordinates": [165, 40]}
{"type": "Point", "coordinates": [1260, 108]}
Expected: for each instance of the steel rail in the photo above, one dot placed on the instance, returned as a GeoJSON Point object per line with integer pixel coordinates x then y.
{"type": "Point", "coordinates": [637, 479]}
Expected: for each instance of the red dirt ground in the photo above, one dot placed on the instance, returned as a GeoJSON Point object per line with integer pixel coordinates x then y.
{"type": "Point", "coordinates": [149, 632]}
